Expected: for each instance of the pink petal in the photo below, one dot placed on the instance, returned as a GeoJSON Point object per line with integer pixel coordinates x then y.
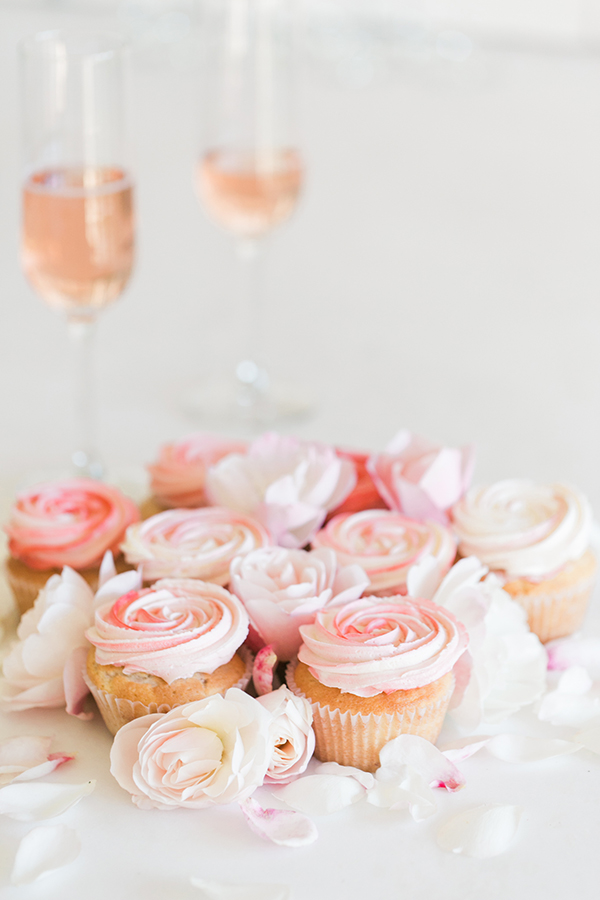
{"type": "Point", "coordinates": [442, 481]}
{"type": "Point", "coordinates": [282, 826]}
{"type": "Point", "coordinates": [216, 890]}
{"type": "Point", "coordinates": [24, 751]}
{"type": "Point", "coordinates": [50, 765]}
{"type": "Point", "coordinates": [42, 850]}
{"type": "Point", "coordinates": [480, 832]}
{"type": "Point", "coordinates": [320, 795]}
{"type": "Point", "coordinates": [76, 690]}
{"type": "Point", "coordinates": [566, 652]}
{"type": "Point", "coordinates": [457, 751]}
{"type": "Point", "coordinates": [263, 670]}
{"type": "Point", "coordinates": [29, 802]}
{"type": "Point", "coordinates": [427, 760]}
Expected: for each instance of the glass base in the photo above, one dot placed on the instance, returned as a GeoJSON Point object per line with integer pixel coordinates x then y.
{"type": "Point", "coordinates": [86, 466]}
{"type": "Point", "coordinates": [250, 399]}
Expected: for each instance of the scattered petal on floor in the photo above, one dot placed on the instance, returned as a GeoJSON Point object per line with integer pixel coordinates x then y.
{"type": "Point", "coordinates": [571, 703]}
{"type": "Point", "coordinates": [319, 795]}
{"type": "Point", "coordinates": [572, 651]}
{"type": "Point", "coordinates": [53, 762]}
{"type": "Point", "coordinates": [43, 849]}
{"type": "Point", "coordinates": [457, 751]}
{"type": "Point", "coordinates": [282, 826]}
{"type": "Point", "coordinates": [481, 832]}
{"type": "Point", "coordinates": [216, 890]}
{"type": "Point", "coordinates": [29, 802]}
{"type": "Point", "coordinates": [517, 748]}
{"type": "Point", "coordinates": [427, 760]}
{"type": "Point", "coordinates": [403, 788]}
{"type": "Point", "coordinates": [25, 753]}
{"type": "Point", "coordinates": [332, 768]}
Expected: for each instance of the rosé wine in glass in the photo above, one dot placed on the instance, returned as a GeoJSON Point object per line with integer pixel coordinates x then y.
{"type": "Point", "coordinates": [78, 235]}
{"type": "Point", "coordinates": [250, 194]}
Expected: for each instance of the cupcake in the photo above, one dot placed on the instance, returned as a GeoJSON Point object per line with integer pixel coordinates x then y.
{"type": "Point", "coordinates": [364, 495]}
{"type": "Point", "coordinates": [64, 523]}
{"type": "Point", "coordinates": [163, 646]}
{"type": "Point", "coordinates": [536, 538]}
{"type": "Point", "coordinates": [386, 544]}
{"type": "Point", "coordinates": [192, 543]}
{"type": "Point", "coordinates": [178, 475]}
{"type": "Point", "coordinates": [374, 669]}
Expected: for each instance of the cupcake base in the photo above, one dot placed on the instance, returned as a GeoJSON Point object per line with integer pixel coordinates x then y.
{"type": "Point", "coordinates": [352, 730]}
{"type": "Point", "coordinates": [121, 698]}
{"type": "Point", "coordinates": [556, 606]}
{"type": "Point", "coordinates": [26, 583]}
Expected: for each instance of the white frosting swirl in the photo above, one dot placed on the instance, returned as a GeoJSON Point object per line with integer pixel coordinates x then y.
{"type": "Point", "coordinates": [523, 529]}
{"type": "Point", "coordinates": [192, 543]}
{"type": "Point", "coordinates": [174, 629]}
{"type": "Point", "coordinates": [370, 646]}
{"type": "Point", "coordinates": [385, 544]}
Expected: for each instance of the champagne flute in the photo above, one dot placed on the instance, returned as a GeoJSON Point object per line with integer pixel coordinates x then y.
{"type": "Point", "coordinates": [249, 176]}
{"type": "Point", "coordinates": [77, 223]}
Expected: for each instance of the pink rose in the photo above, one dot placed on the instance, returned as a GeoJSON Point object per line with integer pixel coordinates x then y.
{"type": "Point", "coordinates": [420, 479]}
{"type": "Point", "coordinates": [287, 484]}
{"type": "Point", "coordinates": [201, 754]}
{"type": "Point", "coordinates": [283, 589]}
{"type": "Point", "coordinates": [68, 523]}
{"type": "Point", "coordinates": [177, 477]}
{"type": "Point", "coordinates": [292, 734]}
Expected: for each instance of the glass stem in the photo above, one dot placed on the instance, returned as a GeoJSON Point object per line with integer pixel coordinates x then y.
{"type": "Point", "coordinates": [84, 458]}
{"type": "Point", "coordinates": [251, 377]}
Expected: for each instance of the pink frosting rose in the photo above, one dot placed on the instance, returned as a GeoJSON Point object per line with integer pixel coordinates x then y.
{"type": "Point", "coordinates": [68, 523]}
{"type": "Point", "coordinates": [201, 754]}
{"type": "Point", "coordinates": [287, 484]}
{"type": "Point", "coordinates": [283, 589]}
{"type": "Point", "coordinates": [292, 735]}
{"type": "Point", "coordinates": [192, 543]}
{"type": "Point", "coordinates": [370, 647]}
{"type": "Point", "coordinates": [420, 479]}
{"type": "Point", "coordinates": [172, 630]}
{"type": "Point", "coordinates": [385, 544]}
{"type": "Point", "coordinates": [177, 477]}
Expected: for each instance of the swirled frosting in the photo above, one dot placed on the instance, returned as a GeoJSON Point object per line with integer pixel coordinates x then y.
{"type": "Point", "coordinates": [177, 477]}
{"type": "Point", "coordinates": [370, 647]}
{"type": "Point", "coordinates": [192, 543]}
{"type": "Point", "coordinates": [385, 544]}
{"type": "Point", "coordinates": [68, 523]}
{"type": "Point", "coordinates": [174, 629]}
{"type": "Point", "coordinates": [523, 529]}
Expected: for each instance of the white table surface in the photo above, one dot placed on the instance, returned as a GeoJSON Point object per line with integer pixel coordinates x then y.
{"type": "Point", "coordinates": [442, 273]}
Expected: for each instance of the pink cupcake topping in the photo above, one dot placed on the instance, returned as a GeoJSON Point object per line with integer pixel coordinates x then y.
{"type": "Point", "coordinates": [174, 629]}
{"type": "Point", "coordinates": [177, 477]}
{"type": "Point", "coordinates": [385, 544]}
{"type": "Point", "coordinates": [68, 523]}
{"type": "Point", "coordinates": [370, 647]}
{"type": "Point", "coordinates": [192, 543]}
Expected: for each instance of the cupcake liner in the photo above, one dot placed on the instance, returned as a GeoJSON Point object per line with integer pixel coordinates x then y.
{"type": "Point", "coordinates": [117, 711]}
{"type": "Point", "coordinates": [354, 739]}
{"type": "Point", "coordinates": [557, 613]}
{"type": "Point", "coordinates": [24, 591]}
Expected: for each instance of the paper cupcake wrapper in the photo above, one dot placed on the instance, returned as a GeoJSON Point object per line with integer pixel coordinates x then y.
{"type": "Point", "coordinates": [117, 711]}
{"type": "Point", "coordinates": [354, 739]}
{"type": "Point", "coordinates": [557, 613]}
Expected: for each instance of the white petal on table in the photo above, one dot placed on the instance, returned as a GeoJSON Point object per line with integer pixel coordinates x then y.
{"type": "Point", "coordinates": [421, 755]}
{"type": "Point", "coordinates": [216, 890]}
{"type": "Point", "coordinates": [403, 788]}
{"type": "Point", "coordinates": [282, 826]}
{"type": "Point", "coordinates": [589, 738]}
{"type": "Point", "coordinates": [518, 748]}
{"type": "Point", "coordinates": [570, 704]}
{"type": "Point", "coordinates": [480, 832]}
{"type": "Point", "coordinates": [29, 802]}
{"type": "Point", "coordinates": [320, 795]}
{"type": "Point", "coordinates": [332, 768]}
{"type": "Point", "coordinates": [43, 849]}
{"type": "Point", "coordinates": [46, 768]}
{"type": "Point", "coordinates": [574, 651]}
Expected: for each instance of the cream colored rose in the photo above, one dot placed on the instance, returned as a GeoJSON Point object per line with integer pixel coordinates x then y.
{"type": "Point", "coordinates": [292, 734]}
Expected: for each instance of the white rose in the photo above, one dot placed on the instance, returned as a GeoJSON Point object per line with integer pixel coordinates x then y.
{"type": "Point", "coordinates": [284, 589]}
{"type": "Point", "coordinates": [293, 739]}
{"type": "Point", "coordinates": [213, 751]}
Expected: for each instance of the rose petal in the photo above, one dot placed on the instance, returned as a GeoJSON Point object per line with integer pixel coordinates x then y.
{"type": "Point", "coordinates": [42, 850]}
{"type": "Point", "coordinates": [30, 802]}
{"type": "Point", "coordinates": [282, 826]}
{"type": "Point", "coordinates": [24, 751]}
{"type": "Point", "coordinates": [320, 795]}
{"type": "Point", "coordinates": [216, 890]}
{"type": "Point", "coordinates": [107, 569]}
{"type": "Point", "coordinates": [570, 703]}
{"type": "Point", "coordinates": [76, 690]}
{"type": "Point", "coordinates": [403, 788]}
{"type": "Point", "coordinates": [566, 652]}
{"type": "Point", "coordinates": [481, 832]}
{"type": "Point", "coordinates": [45, 768]}
{"type": "Point", "coordinates": [332, 768]}
{"type": "Point", "coordinates": [590, 738]}
{"type": "Point", "coordinates": [517, 748]}
{"type": "Point", "coordinates": [457, 751]}
{"type": "Point", "coordinates": [263, 670]}
{"type": "Point", "coordinates": [424, 758]}
{"type": "Point", "coordinates": [117, 587]}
